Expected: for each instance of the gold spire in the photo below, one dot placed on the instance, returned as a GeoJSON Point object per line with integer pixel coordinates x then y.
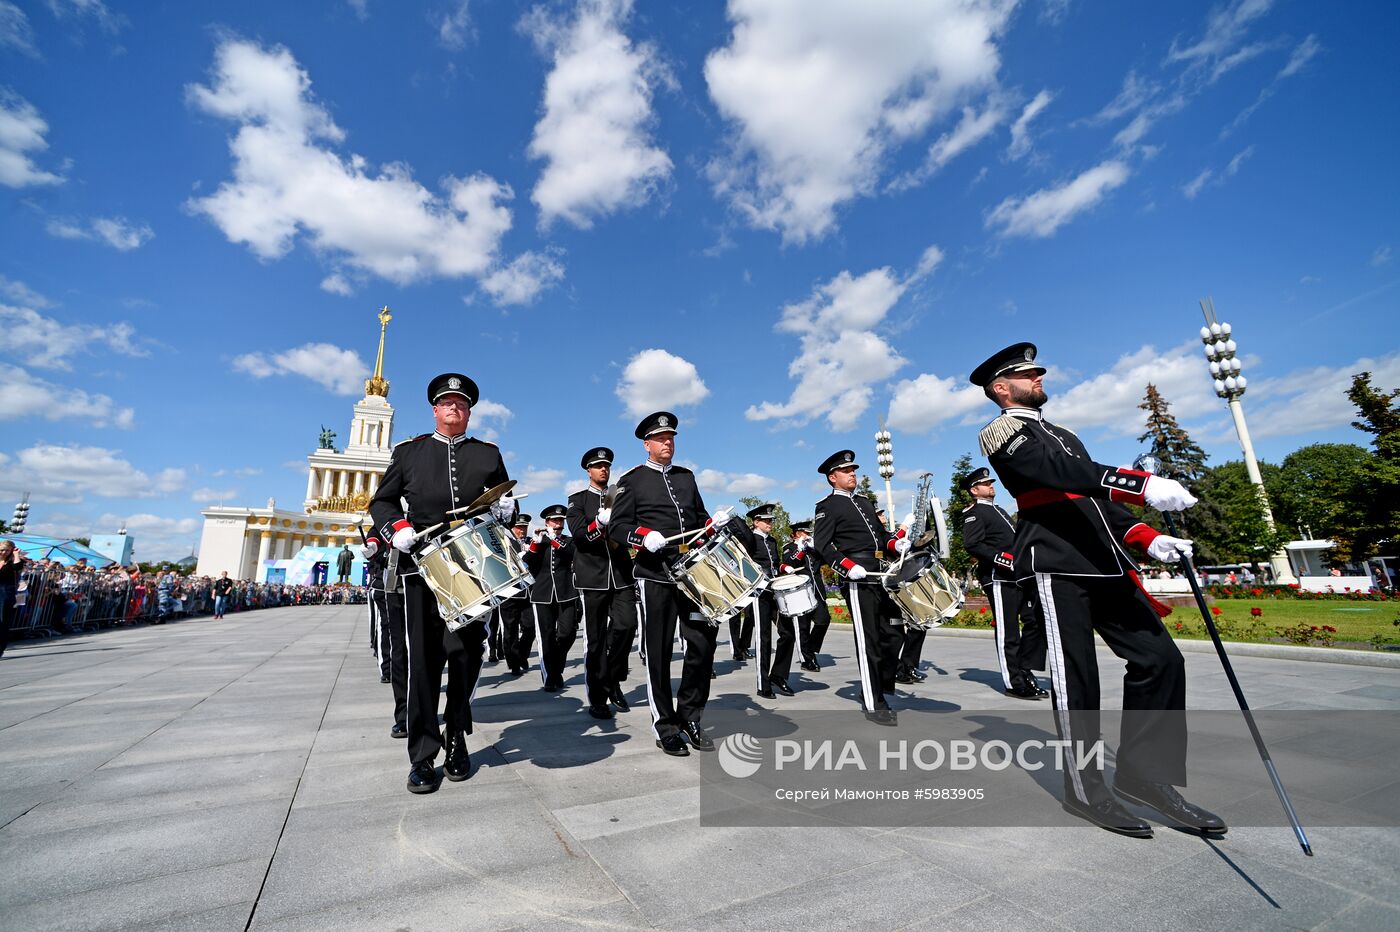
{"type": "Point", "coordinates": [376, 384]}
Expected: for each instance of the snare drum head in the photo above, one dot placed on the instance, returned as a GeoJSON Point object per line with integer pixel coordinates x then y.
{"type": "Point", "coordinates": [785, 583]}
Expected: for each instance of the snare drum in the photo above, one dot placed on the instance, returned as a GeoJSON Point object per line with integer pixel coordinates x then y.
{"type": "Point", "coordinates": [719, 576]}
{"type": "Point", "coordinates": [795, 594]}
{"type": "Point", "coordinates": [471, 569]}
{"type": "Point", "coordinates": [925, 593]}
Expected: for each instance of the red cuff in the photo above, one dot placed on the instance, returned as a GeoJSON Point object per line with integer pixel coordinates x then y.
{"type": "Point", "coordinates": [534, 546]}
{"type": "Point", "coordinates": [556, 543]}
{"type": "Point", "coordinates": [847, 563]}
{"type": "Point", "coordinates": [374, 540]}
{"type": "Point", "coordinates": [642, 531]}
{"type": "Point", "coordinates": [784, 568]}
{"type": "Point", "coordinates": [592, 526]}
{"type": "Point", "coordinates": [401, 524]}
{"type": "Point", "coordinates": [1141, 536]}
{"type": "Point", "coordinates": [1125, 497]}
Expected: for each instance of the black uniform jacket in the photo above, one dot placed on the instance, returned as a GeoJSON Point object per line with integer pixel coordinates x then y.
{"type": "Point", "coordinates": [599, 561]}
{"type": "Point", "coordinates": [762, 548]}
{"type": "Point", "coordinates": [807, 561]}
{"type": "Point", "coordinates": [989, 534]}
{"type": "Point", "coordinates": [847, 532]}
{"type": "Point", "coordinates": [652, 499]}
{"type": "Point", "coordinates": [551, 562]}
{"type": "Point", "coordinates": [1070, 519]}
{"type": "Point", "coordinates": [434, 474]}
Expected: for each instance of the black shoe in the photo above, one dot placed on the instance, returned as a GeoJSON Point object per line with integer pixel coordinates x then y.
{"type": "Point", "coordinates": [1040, 693]}
{"type": "Point", "coordinates": [423, 778]}
{"type": "Point", "coordinates": [1022, 691]}
{"type": "Point", "coordinates": [918, 675]}
{"type": "Point", "coordinates": [812, 659]}
{"type": "Point", "coordinates": [674, 745]}
{"type": "Point", "coordinates": [713, 674]}
{"type": "Point", "coordinates": [766, 694]}
{"type": "Point", "coordinates": [550, 688]}
{"type": "Point", "coordinates": [808, 666]}
{"type": "Point", "coordinates": [619, 700]}
{"type": "Point", "coordinates": [904, 678]}
{"type": "Point", "coordinates": [600, 711]}
{"type": "Point", "coordinates": [383, 678]}
{"type": "Point", "coordinates": [1111, 815]}
{"type": "Point", "coordinates": [493, 658]}
{"type": "Point", "coordinates": [398, 731]}
{"type": "Point", "coordinates": [458, 765]}
{"type": "Point", "coordinates": [1165, 799]}
{"type": "Point", "coordinates": [882, 717]}
{"type": "Point", "coordinates": [698, 739]}
{"type": "Point", "coordinates": [738, 656]}
{"type": "Point", "coordinates": [782, 687]}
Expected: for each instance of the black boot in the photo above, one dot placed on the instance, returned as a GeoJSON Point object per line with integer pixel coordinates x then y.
{"type": "Point", "coordinates": [458, 765]}
{"type": "Point", "coordinates": [1165, 799]}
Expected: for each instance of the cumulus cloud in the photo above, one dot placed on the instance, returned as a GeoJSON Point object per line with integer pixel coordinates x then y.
{"type": "Point", "coordinates": [206, 495]}
{"type": "Point", "coordinates": [117, 232]}
{"type": "Point", "coordinates": [655, 379]}
{"type": "Point", "coordinates": [733, 483]}
{"type": "Point", "coordinates": [454, 26]}
{"type": "Point", "coordinates": [45, 342]}
{"type": "Point", "coordinates": [12, 289]}
{"type": "Point", "coordinates": [15, 31]}
{"type": "Point", "coordinates": [920, 404]}
{"type": "Point", "coordinates": [288, 182]}
{"type": "Point", "coordinates": [840, 356]}
{"type": "Point", "coordinates": [1313, 398]}
{"type": "Point", "coordinates": [335, 369]}
{"type": "Point", "coordinates": [1020, 145]}
{"type": "Point", "coordinates": [535, 481]}
{"type": "Point", "coordinates": [22, 132]}
{"type": "Point", "coordinates": [522, 281]}
{"type": "Point", "coordinates": [595, 130]}
{"type": "Point", "coordinates": [1108, 400]}
{"type": "Point", "coordinates": [818, 93]}
{"type": "Point", "coordinates": [67, 473]}
{"type": "Point", "coordinates": [1042, 213]}
{"type": "Point", "coordinates": [154, 537]}
{"type": "Point", "coordinates": [23, 395]}
{"type": "Point", "coordinates": [335, 283]}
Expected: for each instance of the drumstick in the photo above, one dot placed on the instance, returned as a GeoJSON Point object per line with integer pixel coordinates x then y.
{"type": "Point", "coordinates": [676, 537]}
{"type": "Point", "coordinates": [426, 531]}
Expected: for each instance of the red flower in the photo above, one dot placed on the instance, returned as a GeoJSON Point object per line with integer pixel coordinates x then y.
{"type": "Point", "coordinates": [1256, 592]}
{"type": "Point", "coordinates": [1178, 626]}
{"type": "Point", "coordinates": [982, 610]}
{"type": "Point", "coordinates": [1215, 609]}
{"type": "Point", "coordinates": [1329, 629]}
{"type": "Point", "coordinates": [1256, 611]}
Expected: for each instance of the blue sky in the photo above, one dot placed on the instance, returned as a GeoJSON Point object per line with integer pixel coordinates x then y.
{"type": "Point", "coordinates": [782, 220]}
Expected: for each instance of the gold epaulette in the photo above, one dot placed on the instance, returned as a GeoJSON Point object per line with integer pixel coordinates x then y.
{"type": "Point", "coordinates": [996, 434]}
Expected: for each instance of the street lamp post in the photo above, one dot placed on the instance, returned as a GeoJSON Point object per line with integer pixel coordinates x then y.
{"type": "Point", "coordinates": [1230, 384]}
{"type": "Point", "coordinates": [885, 454]}
{"type": "Point", "coordinates": [21, 515]}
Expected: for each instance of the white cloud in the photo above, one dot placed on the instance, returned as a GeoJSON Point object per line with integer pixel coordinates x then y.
{"type": "Point", "coordinates": [655, 379]}
{"type": "Point", "coordinates": [733, 483]}
{"type": "Point", "coordinates": [1108, 400]}
{"type": "Point", "coordinates": [1194, 186]}
{"type": "Point", "coordinates": [1303, 53]}
{"type": "Point", "coordinates": [117, 232]}
{"type": "Point", "coordinates": [524, 278]}
{"type": "Point", "coordinates": [1020, 130]}
{"type": "Point", "coordinates": [817, 94]}
{"type": "Point", "coordinates": [154, 538]}
{"type": "Point", "coordinates": [922, 403]}
{"type": "Point", "coordinates": [22, 132]}
{"type": "Point", "coordinates": [1382, 257]}
{"type": "Point", "coordinates": [96, 10]}
{"type": "Point", "coordinates": [1042, 213]}
{"type": "Point", "coordinates": [23, 395]}
{"type": "Point", "coordinates": [455, 26]}
{"type": "Point", "coordinates": [335, 283]}
{"type": "Point", "coordinates": [594, 133]}
{"type": "Point", "coordinates": [840, 356]}
{"type": "Point", "coordinates": [1239, 57]}
{"type": "Point", "coordinates": [360, 8]}
{"type": "Point", "coordinates": [205, 495]}
{"type": "Point", "coordinates": [15, 31]}
{"type": "Point", "coordinates": [1314, 399]}
{"type": "Point", "coordinates": [288, 182]}
{"type": "Point", "coordinates": [1135, 92]}
{"type": "Point", "coordinates": [42, 341]}
{"type": "Point", "coordinates": [971, 129]}
{"type": "Point", "coordinates": [337, 370]}
{"type": "Point", "coordinates": [1225, 26]}
{"type": "Point", "coordinates": [12, 289]}
{"type": "Point", "coordinates": [66, 473]}
{"type": "Point", "coordinates": [535, 481]}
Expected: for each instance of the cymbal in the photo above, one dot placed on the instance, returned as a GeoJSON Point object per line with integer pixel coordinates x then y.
{"type": "Point", "coordinates": [485, 500]}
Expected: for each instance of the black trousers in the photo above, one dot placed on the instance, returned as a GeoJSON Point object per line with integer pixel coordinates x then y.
{"type": "Point", "coordinates": [609, 621]}
{"type": "Point", "coordinates": [1152, 740]}
{"type": "Point", "coordinates": [375, 608]}
{"type": "Point", "coordinates": [556, 626]}
{"type": "Point", "coordinates": [911, 650]}
{"type": "Point", "coordinates": [774, 663]}
{"type": "Point", "coordinates": [663, 610]}
{"type": "Point", "coordinates": [879, 632]}
{"type": "Point", "coordinates": [429, 645]}
{"type": "Point", "coordinates": [495, 637]}
{"type": "Point", "coordinates": [1020, 633]}
{"type": "Point", "coordinates": [517, 624]}
{"type": "Point", "coordinates": [811, 630]}
{"type": "Point", "coordinates": [741, 632]}
{"type": "Point", "coordinates": [392, 643]}
{"type": "Point", "coordinates": [378, 629]}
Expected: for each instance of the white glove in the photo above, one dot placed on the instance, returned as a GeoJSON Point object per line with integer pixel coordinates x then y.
{"type": "Point", "coordinates": [603, 517]}
{"type": "Point", "coordinates": [503, 509]}
{"type": "Point", "coordinates": [908, 520]}
{"type": "Point", "coordinates": [789, 570]}
{"type": "Point", "coordinates": [722, 516]}
{"type": "Point", "coordinates": [654, 541]}
{"type": "Point", "coordinates": [1169, 549]}
{"type": "Point", "coordinates": [370, 548]}
{"type": "Point", "coordinates": [403, 539]}
{"type": "Point", "coordinates": [1167, 494]}
{"type": "Point", "coordinates": [551, 533]}
{"type": "Point", "coordinates": [856, 572]}
{"type": "Point", "coordinates": [901, 545]}
{"type": "Point", "coordinates": [802, 545]}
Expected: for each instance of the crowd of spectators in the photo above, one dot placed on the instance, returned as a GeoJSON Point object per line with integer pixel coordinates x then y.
{"type": "Point", "coordinates": [45, 597]}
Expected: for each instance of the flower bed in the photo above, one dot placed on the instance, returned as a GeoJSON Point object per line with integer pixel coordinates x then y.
{"type": "Point", "coordinates": [1294, 591]}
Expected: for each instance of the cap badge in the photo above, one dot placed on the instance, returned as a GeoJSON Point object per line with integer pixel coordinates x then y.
{"type": "Point", "coordinates": [1030, 355]}
{"type": "Point", "coordinates": [663, 421]}
{"type": "Point", "coordinates": [454, 382]}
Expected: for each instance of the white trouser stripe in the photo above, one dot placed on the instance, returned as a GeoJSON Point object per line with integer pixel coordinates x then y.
{"type": "Point", "coordinates": [408, 648]}
{"type": "Point", "coordinates": [999, 616]}
{"type": "Point", "coordinates": [539, 639]}
{"type": "Point", "coordinates": [1057, 675]}
{"type": "Point", "coordinates": [861, 650]}
{"type": "Point", "coordinates": [583, 622]}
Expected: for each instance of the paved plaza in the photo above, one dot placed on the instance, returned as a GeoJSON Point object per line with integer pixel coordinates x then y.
{"type": "Point", "coordinates": [239, 773]}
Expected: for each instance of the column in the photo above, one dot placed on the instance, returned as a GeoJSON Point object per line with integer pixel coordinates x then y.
{"type": "Point", "coordinates": [264, 548]}
{"type": "Point", "coordinates": [359, 482]}
{"type": "Point", "coordinates": [325, 483]}
{"type": "Point", "coordinates": [373, 483]}
{"type": "Point", "coordinates": [311, 483]}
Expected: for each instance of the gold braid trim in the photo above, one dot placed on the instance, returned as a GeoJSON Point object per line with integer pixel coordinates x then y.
{"type": "Point", "coordinates": [996, 434]}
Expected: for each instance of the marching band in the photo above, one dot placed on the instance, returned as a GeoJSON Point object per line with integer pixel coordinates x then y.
{"type": "Point", "coordinates": [458, 569]}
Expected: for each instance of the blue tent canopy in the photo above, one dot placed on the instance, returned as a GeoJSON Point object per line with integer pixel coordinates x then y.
{"type": "Point", "coordinates": [64, 550]}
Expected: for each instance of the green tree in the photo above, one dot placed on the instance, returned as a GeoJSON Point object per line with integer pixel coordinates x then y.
{"type": "Point", "coordinates": [1229, 524]}
{"type": "Point", "coordinates": [959, 563]}
{"type": "Point", "coordinates": [782, 521]}
{"type": "Point", "coordinates": [1379, 488]}
{"type": "Point", "coordinates": [1318, 491]}
{"type": "Point", "coordinates": [864, 487]}
{"type": "Point", "coordinates": [1178, 456]}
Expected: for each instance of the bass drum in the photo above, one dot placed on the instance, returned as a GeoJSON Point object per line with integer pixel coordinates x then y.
{"type": "Point", "coordinates": [926, 594]}
{"type": "Point", "coordinates": [471, 569]}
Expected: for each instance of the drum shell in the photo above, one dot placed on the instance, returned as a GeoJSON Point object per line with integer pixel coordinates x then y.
{"type": "Point", "coordinates": [719, 576]}
{"type": "Point", "coordinates": [929, 597]}
{"type": "Point", "coordinates": [796, 595]}
{"type": "Point", "coordinates": [471, 569]}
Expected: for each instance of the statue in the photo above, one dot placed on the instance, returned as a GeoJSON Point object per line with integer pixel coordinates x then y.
{"type": "Point", "coordinates": [327, 438]}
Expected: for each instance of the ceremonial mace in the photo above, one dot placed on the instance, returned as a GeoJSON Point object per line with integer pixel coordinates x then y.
{"type": "Point", "coordinates": [1148, 463]}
